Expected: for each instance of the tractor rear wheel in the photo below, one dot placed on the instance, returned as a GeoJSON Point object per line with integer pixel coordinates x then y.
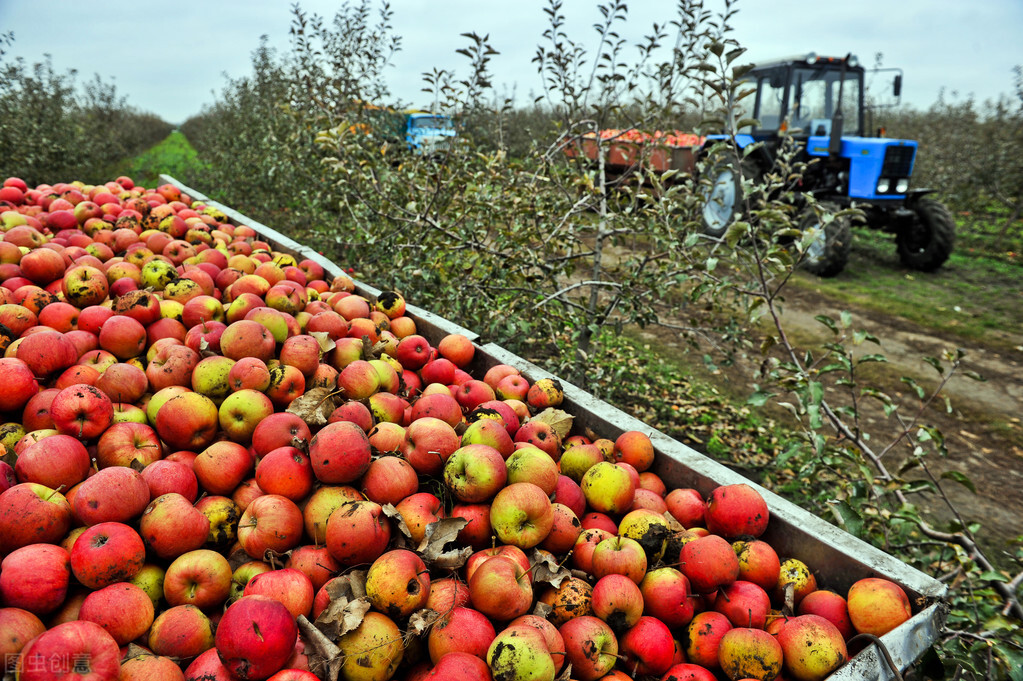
{"type": "Point", "coordinates": [927, 241]}
{"type": "Point", "coordinates": [828, 250]}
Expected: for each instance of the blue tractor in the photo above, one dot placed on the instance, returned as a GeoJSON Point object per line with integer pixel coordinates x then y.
{"type": "Point", "coordinates": [819, 103]}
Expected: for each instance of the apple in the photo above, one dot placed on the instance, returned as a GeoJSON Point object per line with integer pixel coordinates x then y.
{"type": "Point", "coordinates": [20, 384]}
{"type": "Point", "coordinates": [248, 338]}
{"type": "Point", "coordinates": [475, 473]}
{"type": "Point", "coordinates": [619, 555]}
{"type": "Point", "coordinates": [608, 487]}
{"type": "Point", "coordinates": [666, 596]}
{"type": "Point", "coordinates": [150, 580]}
{"type": "Point", "coordinates": [123, 609]}
{"type": "Point", "coordinates": [542, 436]}
{"type": "Point", "coordinates": [182, 631]}
{"type": "Point", "coordinates": [18, 627]}
{"type": "Point", "coordinates": [590, 647]}
{"type": "Point", "coordinates": [57, 461]}
{"type": "Point", "coordinates": [500, 589]}
{"type": "Point", "coordinates": [648, 647]}
{"type": "Point", "coordinates": [373, 650]}
{"type": "Point", "coordinates": [575, 461]}
{"type": "Point", "coordinates": [281, 429]}
{"type": "Point", "coordinates": [163, 477]}
{"type": "Point", "coordinates": [705, 632]}
{"type": "Point", "coordinates": [106, 553]}
{"type": "Point", "coordinates": [521, 515]}
{"type": "Point", "coordinates": [736, 510]}
{"type": "Point", "coordinates": [877, 605]}
{"type": "Point", "coordinates": [249, 373]}
{"type": "Point", "coordinates": [210, 377]}
{"type": "Point", "coordinates": [357, 532]}
{"type": "Point", "coordinates": [315, 562]}
{"type": "Point", "coordinates": [582, 553]}
{"type": "Point", "coordinates": [832, 607]}
{"type": "Point", "coordinates": [709, 563]}
{"type": "Point", "coordinates": [222, 466]}
{"type": "Point", "coordinates": [530, 464]}
{"type": "Point", "coordinates": [83, 411]}
{"type": "Point", "coordinates": [758, 563]}
{"type": "Point", "coordinates": [123, 382]}
{"type": "Point", "coordinates": [200, 577]}
{"type": "Point", "coordinates": [617, 600]}
{"type": "Point", "coordinates": [291, 587]}
{"type": "Point", "coordinates": [270, 522]}
{"type": "Point", "coordinates": [520, 653]}
{"type": "Point", "coordinates": [78, 648]}
{"type": "Point", "coordinates": [388, 480]}
{"type": "Point", "coordinates": [188, 421]}
{"type": "Point", "coordinates": [812, 648]}
{"type": "Point", "coordinates": [149, 667]}
{"type": "Point", "coordinates": [750, 653]}
{"type": "Point", "coordinates": [398, 583]}
{"type": "Point", "coordinates": [31, 513]}
{"type": "Point", "coordinates": [429, 442]}
{"type": "Point", "coordinates": [171, 526]}
{"type": "Point", "coordinates": [113, 494]}
{"type": "Point", "coordinates": [340, 453]}
{"type": "Point", "coordinates": [35, 578]}
{"type": "Point", "coordinates": [477, 532]}
{"type": "Point", "coordinates": [123, 337]}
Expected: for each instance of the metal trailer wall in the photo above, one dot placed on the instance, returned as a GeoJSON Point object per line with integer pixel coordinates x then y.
{"type": "Point", "coordinates": [837, 558]}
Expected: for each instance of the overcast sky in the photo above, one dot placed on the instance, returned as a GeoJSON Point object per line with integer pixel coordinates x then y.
{"type": "Point", "coordinates": [171, 58]}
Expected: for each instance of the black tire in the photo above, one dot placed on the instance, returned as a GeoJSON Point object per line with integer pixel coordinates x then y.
{"type": "Point", "coordinates": [827, 255]}
{"type": "Point", "coordinates": [723, 198]}
{"type": "Point", "coordinates": [927, 242]}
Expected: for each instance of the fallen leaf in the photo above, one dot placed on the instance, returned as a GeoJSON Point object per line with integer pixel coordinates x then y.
{"type": "Point", "coordinates": [559, 420]}
{"type": "Point", "coordinates": [314, 407]}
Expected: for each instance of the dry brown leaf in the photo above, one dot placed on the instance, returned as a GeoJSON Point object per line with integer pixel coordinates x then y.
{"type": "Point", "coordinates": [560, 421]}
{"type": "Point", "coordinates": [546, 569]}
{"type": "Point", "coordinates": [438, 535]}
{"type": "Point", "coordinates": [420, 621]}
{"type": "Point", "coordinates": [391, 512]}
{"type": "Point", "coordinates": [314, 407]}
{"type": "Point", "coordinates": [542, 609]}
{"type": "Point", "coordinates": [325, 341]}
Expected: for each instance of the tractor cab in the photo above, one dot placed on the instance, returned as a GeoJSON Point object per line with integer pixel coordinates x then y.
{"type": "Point", "coordinates": [819, 102]}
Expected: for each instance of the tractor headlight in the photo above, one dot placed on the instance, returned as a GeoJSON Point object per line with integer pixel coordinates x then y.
{"type": "Point", "coordinates": [902, 186]}
{"type": "Point", "coordinates": [883, 185]}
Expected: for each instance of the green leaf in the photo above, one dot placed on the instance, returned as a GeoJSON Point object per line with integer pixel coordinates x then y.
{"type": "Point", "coordinates": [828, 322]}
{"type": "Point", "coordinates": [871, 358]}
{"type": "Point", "coordinates": [936, 363]}
{"type": "Point", "coordinates": [847, 517]}
{"type": "Point", "coordinates": [759, 398]}
{"type": "Point", "coordinates": [993, 577]}
{"type": "Point", "coordinates": [956, 476]}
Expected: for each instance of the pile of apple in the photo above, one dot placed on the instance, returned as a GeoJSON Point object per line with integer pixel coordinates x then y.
{"type": "Point", "coordinates": [219, 465]}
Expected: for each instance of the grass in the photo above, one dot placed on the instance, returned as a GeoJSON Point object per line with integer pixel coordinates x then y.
{"type": "Point", "coordinates": [173, 156]}
{"type": "Point", "coordinates": [966, 297]}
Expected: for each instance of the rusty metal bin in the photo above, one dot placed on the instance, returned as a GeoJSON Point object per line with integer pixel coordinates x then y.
{"type": "Point", "coordinates": [837, 557]}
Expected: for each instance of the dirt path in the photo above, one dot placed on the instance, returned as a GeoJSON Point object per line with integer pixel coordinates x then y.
{"type": "Point", "coordinates": [984, 433]}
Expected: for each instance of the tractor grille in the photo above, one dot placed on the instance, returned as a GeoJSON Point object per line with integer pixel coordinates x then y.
{"type": "Point", "coordinates": [898, 161]}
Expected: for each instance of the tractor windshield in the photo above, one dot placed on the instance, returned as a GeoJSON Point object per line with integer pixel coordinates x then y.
{"type": "Point", "coordinates": [432, 122]}
{"type": "Point", "coordinates": [815, 97]}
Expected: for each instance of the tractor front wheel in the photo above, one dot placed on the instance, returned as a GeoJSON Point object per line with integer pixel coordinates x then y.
{"type": "Point", "coordinates": [926, 242]}
{"type": "Point", "coordinates": [723, 199]}
{"type": "Point", "coordinates": [830, 241]}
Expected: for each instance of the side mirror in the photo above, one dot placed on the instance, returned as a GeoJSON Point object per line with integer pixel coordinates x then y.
{"type": "Point", "coordinates": [897, 85]}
